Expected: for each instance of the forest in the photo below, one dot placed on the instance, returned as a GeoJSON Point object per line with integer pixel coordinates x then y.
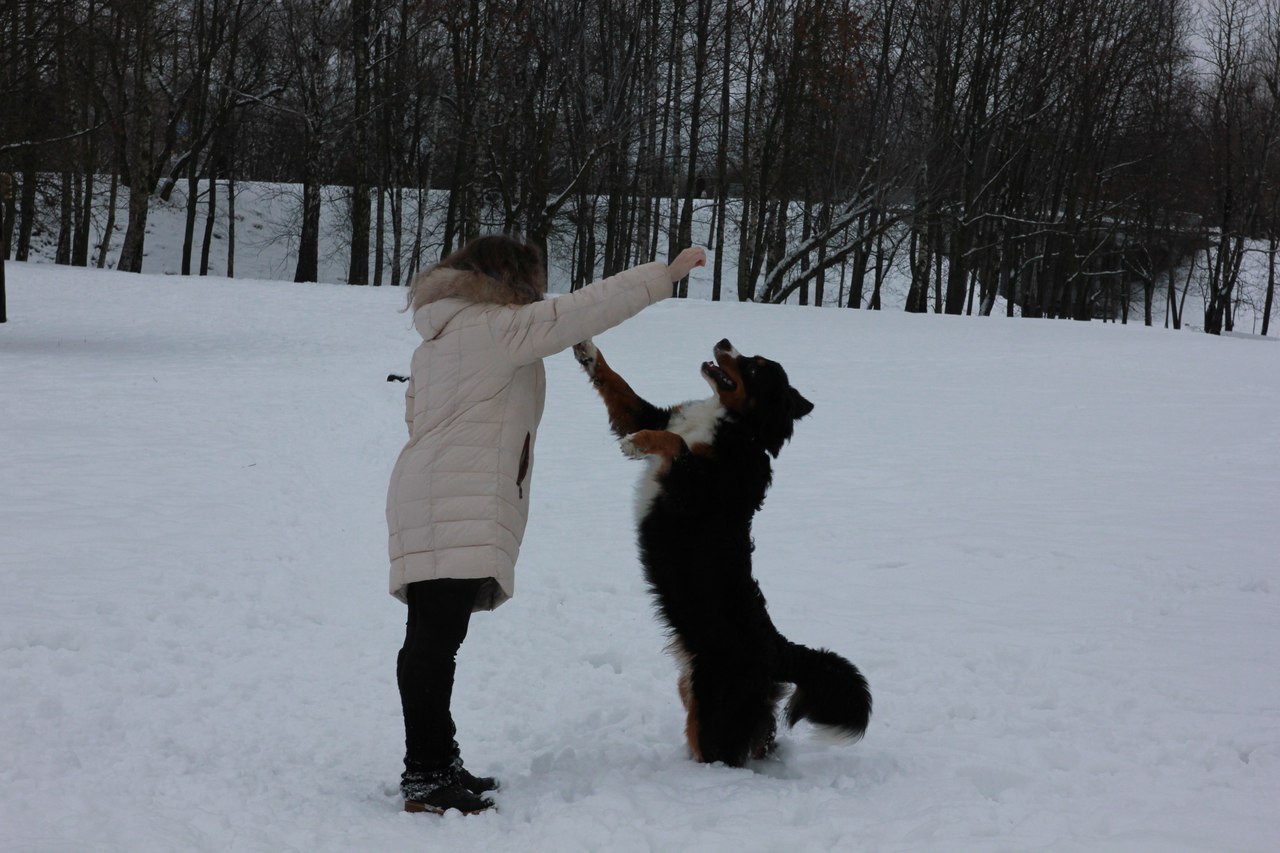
{"type": "Point", "coordinates": [1078, 159]}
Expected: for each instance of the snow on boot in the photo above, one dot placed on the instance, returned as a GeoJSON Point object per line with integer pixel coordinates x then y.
{"type": "Point", "coordinates": [438, 792]}
{"type": "Point", "coordinates": [453, 796]}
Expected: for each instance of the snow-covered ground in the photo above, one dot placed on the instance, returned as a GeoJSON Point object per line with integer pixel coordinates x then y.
{"type": "Point", "coordinates": [1052, 547]}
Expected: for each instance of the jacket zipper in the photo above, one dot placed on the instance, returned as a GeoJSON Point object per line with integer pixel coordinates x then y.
{"type": "Point", "coordinates": [524, 465]}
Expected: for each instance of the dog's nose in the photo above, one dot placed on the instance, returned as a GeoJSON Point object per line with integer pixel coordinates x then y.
{"type": "Point", "coordinates": [724, 344]}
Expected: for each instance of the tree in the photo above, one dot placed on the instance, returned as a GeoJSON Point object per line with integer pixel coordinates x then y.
{"type": "Point", "coordinates": [1239, 133]}
{"type": "Point", "coordinates": [316, 96]}
{"type": "Point", "coordinates": [6, 194]}
{"type": "Point", "coordinates": [359, 268]}
{"type": "Point", "coordinates": [1269, 64]}
{"type": "Point", "coordinates": [151, 91]}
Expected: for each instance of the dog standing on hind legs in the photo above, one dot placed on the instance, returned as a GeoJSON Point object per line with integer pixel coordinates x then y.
{"type": "Point", "coordinates": [709, 468]}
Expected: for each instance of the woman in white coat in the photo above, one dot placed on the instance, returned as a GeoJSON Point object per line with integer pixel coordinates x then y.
{"type": "Point", "coordinates": [459, 495]}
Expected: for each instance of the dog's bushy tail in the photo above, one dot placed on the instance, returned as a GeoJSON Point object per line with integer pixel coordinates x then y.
{"type": "Point", "coordinates": [830, 691]}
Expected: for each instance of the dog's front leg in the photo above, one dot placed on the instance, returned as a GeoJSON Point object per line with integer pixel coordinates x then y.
{"type": "Point", "coordinates": [669, 446]}
{"type": "Point", "coordinates": [628, 412]}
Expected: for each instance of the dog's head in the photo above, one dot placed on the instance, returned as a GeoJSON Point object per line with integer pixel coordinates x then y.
{"type": "Point", "coordinates": [757, 391]}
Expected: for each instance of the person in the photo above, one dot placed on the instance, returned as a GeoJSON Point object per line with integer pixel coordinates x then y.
{"type": "Point", "coordinates": [459, 494]}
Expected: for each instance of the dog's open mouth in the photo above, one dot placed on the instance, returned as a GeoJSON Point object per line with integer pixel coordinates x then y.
{"type": "Point", "coordinates": [722, 380]}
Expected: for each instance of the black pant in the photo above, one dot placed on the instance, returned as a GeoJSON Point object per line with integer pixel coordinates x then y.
{"type": "Point", "coordinates": [439, 611]}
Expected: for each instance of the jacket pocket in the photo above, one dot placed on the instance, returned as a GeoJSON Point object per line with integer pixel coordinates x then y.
{"type": "Point", "coordinates": [524, 464]}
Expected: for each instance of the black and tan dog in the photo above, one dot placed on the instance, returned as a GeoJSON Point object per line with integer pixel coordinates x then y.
{"type": "Point", "coordinates": [710, 466]}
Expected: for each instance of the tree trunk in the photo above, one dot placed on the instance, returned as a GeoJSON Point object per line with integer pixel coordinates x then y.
{"type": "Point", "coordinates": [113, 195]}
{"type": "Point", "coordinates": [746, 283]}
{"type": "Point", "coordinates": [308, 268]}
{"type": "Point", "coordinates": [209, 221]}
{"type": "Point", "coordinates": [806, 231]}
{"type": "Point", "coordinates": [231, 206]}
{"type": "Point", "coordinates": [685, 237]}
{"type": "Point", "coordinates": [6, 188]}
{"type": "Point", "coordinates": [918, 294]}
{"type": "Point", "coordinates": [80, 249]}
{"type": "Point", "coordinates": [65, 219]}
{"type": "Point", "coordinates": [1272, 245]}
{"type": "Point", "coordinates": [874, 304]}
{"type": "Point", "coordinates": [26, 211]}
{"type": "Point", "coordinates": [861, 258]}
{"type": "Point", "coordinates": [938, 255]}
{"type": "Point", "coordinates": [1222, 280]}
{"type": "Point", "coordinates": [379, 230]}
{"type": "Point", "coordinates": [359, 268]}
{"type": "Point", "coordinates": [415, 254]}
{"type": "Point", "coordinates": [722, 154]}
{"type": "Point", "coordinates": [6, 222]}
{"type": "Point", "coordinates": [89, 151]}
{"type": "Point", "coordinates": [957, 270]}
{"type": "Point", "coordinates": [136, 232]}
{"type": "Point", "coordinates": [309, 240]}
{"type": "Point", "coordinates": [397, 220]}
{"type": "Point", "coordinates": [820, 283]}
{"type": "Point", "coordinates": [192, 209]}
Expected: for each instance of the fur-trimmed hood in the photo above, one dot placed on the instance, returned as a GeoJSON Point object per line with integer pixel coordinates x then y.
{"type": "Point", "coordinates": [443, 292]}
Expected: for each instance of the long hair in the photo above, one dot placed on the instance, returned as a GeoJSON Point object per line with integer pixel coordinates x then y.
{"type": "Point", "coordinates": [510, 261]}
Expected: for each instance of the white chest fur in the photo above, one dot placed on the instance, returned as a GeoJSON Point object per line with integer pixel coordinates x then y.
{"type": "Point", "coordinates": [696, 423]}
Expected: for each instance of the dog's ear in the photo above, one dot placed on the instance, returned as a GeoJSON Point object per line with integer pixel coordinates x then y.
{"type": "Point", "coordinates": [800, 405]}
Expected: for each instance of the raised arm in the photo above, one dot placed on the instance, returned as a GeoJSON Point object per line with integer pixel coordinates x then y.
{"type": "Point", "coordinates": [531, 332]}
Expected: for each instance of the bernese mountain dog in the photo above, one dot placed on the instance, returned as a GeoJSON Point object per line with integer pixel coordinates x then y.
{"type": "Point", "coordinates": [709, 469]}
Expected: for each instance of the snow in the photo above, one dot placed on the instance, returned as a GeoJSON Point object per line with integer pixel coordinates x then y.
{"type": "Point", "coordinates": [1051, 547]}
{"type": "Point", "coordinates": [267, 226]}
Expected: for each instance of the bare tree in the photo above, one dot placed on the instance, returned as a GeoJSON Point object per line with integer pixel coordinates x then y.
{"type": "Point", "coordinates": [1239, 132]}
{"type": "Point", "coordinates": [151, 90]}
{"type": "Point", "coordinates": [6, 194]}
{"type": "Point", "coordinates": [1269, 66]}
{"type": "Point", "coordinates": [317, 97]}
{"type": "Point", "coordinates": [358, 272]}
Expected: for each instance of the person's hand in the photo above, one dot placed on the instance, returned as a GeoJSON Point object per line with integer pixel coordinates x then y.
{"type": "Point", "coordinates": [694, 256]}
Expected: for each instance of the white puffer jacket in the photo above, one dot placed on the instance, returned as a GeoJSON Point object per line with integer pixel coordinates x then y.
{"type": "Point", "coordinates": [459, 495]}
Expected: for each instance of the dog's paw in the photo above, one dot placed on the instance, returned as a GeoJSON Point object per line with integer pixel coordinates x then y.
{"type": "Point", "coordinates": [587, 355]}
{"type": "Point", "coordinates": [630, 448]}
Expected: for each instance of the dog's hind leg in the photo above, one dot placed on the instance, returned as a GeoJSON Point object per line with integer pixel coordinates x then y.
{"type": "Point", "coordinates": [685, 686]}
{"type": "Point", "coordinates": [732, 717]}
{"type": "Point", "coordinates": [765, 739]}
{"type": "Point", "coordinates": [628, 411]}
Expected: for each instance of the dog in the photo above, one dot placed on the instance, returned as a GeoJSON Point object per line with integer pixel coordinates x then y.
{"type": "Point", "coordinates": [709, 468]}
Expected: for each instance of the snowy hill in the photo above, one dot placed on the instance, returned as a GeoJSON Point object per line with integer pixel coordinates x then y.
{"type": "Point", "coordinates": [266, 242]}
{"type": "Point", "coordinates": [1052, 547]}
